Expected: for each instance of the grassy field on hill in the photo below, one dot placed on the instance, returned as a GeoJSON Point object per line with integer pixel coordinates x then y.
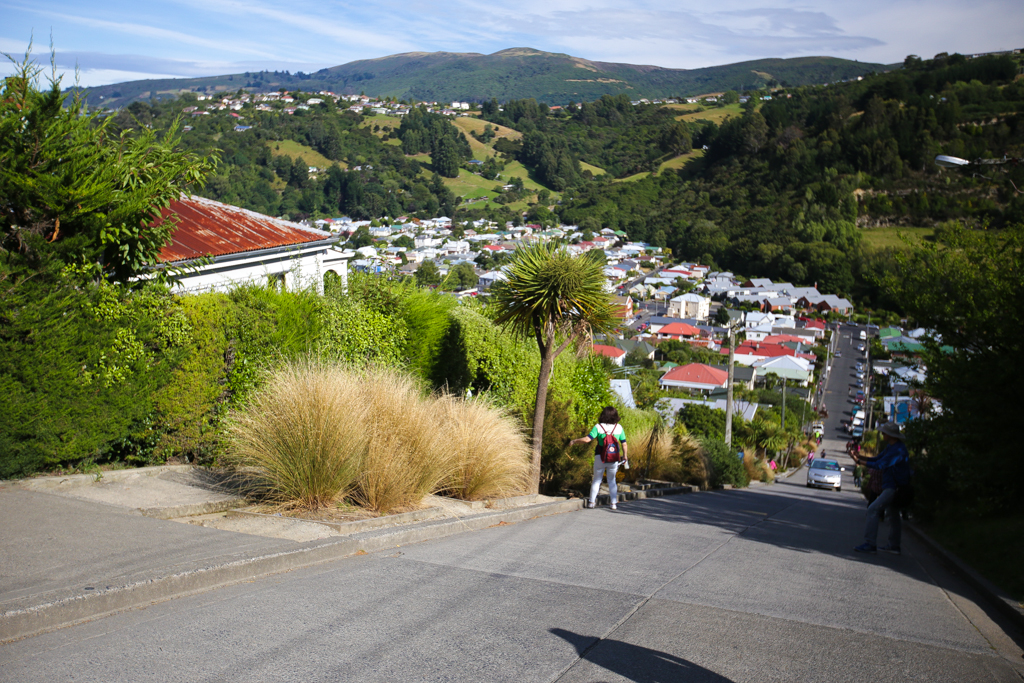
{"type": "Point", "coordinates": [596, 170]}
{"type": "Point", "coordinates": [714, 114]}
{"type": "Point", "coordinates": [680, 161]}
{"type": "Point", "coordinates": [470, 186]}
{"type": "Point", "coordinates": [481, 150]}
{"type": "Point", "coordinates": [882, 238]}
{"type": "Point", "coordinates": [633, 178]}
{"type": "Point", "coordinates": [296, 149]}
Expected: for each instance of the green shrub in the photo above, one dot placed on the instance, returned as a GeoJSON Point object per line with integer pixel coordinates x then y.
{"type": "Point", "coordinates": [80, 364]}
{"type": "Point", "coordinates": [564, 468]}
{"type": "Point", "coordinates": [189, 406]}
{"type": "Point", "coordinates": [725, 466]}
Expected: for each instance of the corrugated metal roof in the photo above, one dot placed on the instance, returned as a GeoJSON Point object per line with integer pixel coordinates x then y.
{"type": "Point", "coordinates": [209, 228]}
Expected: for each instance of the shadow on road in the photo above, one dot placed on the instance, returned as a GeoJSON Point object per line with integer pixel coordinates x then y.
{"type": "Point", "coordinates": [788, 516]}
{"type": "Point", "coordinates": [636, 663]}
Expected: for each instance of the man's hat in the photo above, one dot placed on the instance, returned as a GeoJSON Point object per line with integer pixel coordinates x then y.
{"type": "Point", "coordinates": [892, 429]}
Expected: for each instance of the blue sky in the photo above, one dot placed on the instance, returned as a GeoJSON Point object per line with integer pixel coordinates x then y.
{"type": "Point", "coordinates": [118, 40]}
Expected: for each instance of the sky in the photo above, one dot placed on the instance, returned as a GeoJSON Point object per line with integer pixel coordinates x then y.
{"type": "Point", "coordinates": [111, 41]}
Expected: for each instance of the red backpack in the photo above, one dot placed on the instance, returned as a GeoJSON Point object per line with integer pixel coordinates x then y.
{"type": "Point", "coordinates": [608, 446]}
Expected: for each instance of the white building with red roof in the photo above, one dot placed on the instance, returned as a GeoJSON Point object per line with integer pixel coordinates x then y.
{"type": "Point", "coordinates": [695, 376]}
{"type": "Point", "coordinates": [678, 331]}
{"type": "Point", "coordinates": [215, 247]}
{"type": "Point", "coordinates": [617, 355]}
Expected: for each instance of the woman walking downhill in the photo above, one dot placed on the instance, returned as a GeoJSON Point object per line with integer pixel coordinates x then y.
{"type": "Point", "coordinates": [607, 424]}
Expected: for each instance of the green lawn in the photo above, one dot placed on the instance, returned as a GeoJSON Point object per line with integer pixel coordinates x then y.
{"type": "Point", "coordinates": [633, 178]}
{"type": "Point", "coordinates": [881, 238]}
{"type": "Point", "coordinates": [471, 186]}
{"type": "Point", "coordinates": [480, 150]}
{"type": "Point", "coordinates": [382, 120]}
{"type": "Point", "coordinates": [681, 160]}
{"type": "Point", "coordinates": [992, 547]}
{"type": "Point", "coordinates": [714, 114]}
{"type": "Point", "coordinates": [309, 155]}
{"type": "Point", "coordinates": [596, 170]}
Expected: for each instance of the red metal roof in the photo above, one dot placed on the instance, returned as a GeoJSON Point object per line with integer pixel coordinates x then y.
{"type": "Point", "coordinates": [697, 373]}
{"type": "Point", "coordinates": [683, 329]}
{"type": "Point", "coordinates": [610, 351]}
{"type": "Point", "coordinates": [209, 228]}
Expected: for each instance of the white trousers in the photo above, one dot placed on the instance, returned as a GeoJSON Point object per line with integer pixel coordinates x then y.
{"type": "Point", "coordinates": [600, 468]}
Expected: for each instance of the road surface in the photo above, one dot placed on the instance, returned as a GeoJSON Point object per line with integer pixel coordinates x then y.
{"type": "Point", "coordinates": [749, 585]}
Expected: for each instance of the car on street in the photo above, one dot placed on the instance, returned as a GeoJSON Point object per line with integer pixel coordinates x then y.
{"type": "Point", "coordinates": [860, 347]}
{"type": "Point", "coordinates": [825, 474]}
{"type": "Point", "coordinates": [857, 433]}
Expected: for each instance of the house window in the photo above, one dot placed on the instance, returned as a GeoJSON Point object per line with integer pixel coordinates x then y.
{"type": "Point", "coordinates": [275, 281]}
{"type": "Point", "coordinates": [333, 282]}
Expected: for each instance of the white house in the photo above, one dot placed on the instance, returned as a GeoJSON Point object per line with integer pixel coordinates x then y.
{"type": "Point", "coordinates": [689, 306]}
{"type": "Point", "coordinates": [789, 367]}
{"type": "Point", "coordinates": [215, 247]}
{"type": "Point", "coordinates": [695, 376]}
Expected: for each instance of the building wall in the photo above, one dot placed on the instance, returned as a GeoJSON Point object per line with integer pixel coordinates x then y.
{"type": "Point", "coordinates": [293, 270]}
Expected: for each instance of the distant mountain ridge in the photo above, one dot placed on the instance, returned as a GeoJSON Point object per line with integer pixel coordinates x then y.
{"type": "Point", "coordinates": [515, 73]}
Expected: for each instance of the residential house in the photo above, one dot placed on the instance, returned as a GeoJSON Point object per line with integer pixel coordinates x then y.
{"type": "Point", "coordinates": [694, 377]}
{"type": "Point", "coordinates": [216, 247]}
{"type": "Point", "coordinates": [690, 305]}
{"type": "Point", "coordinates": [672, 406]}
{"type": "Point", "coordinates": [792, 368]}
{"type": "Point", "coordinates": [616, 354]}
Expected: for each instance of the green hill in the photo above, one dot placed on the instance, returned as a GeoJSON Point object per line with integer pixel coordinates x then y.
{"type": "Point", "coordinates": [516, 73]}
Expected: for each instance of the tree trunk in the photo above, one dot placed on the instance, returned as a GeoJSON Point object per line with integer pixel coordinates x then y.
{"type": "Point", "coordinates": [547, 362]}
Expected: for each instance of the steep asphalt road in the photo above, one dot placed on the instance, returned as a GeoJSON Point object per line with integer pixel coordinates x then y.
{"type": "Point", "coordinates": [755, 585]}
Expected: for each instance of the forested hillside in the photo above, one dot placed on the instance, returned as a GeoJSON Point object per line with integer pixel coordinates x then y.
{"type": "Point", "coordinates": [517, 73]}
{"type": "Point", "coordinates": [804, 184]}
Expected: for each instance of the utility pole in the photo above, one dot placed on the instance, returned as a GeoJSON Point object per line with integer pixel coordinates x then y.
{"type": "Point", "coordinates": [728, 391]}
{"type": "Point", "coordinates": [867, 376]}
{"type": "Point", "coordinates": [783, 402]}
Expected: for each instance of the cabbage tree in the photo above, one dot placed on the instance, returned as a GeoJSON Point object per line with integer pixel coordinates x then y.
{"type": "Point", "coordinates": [558, 300]}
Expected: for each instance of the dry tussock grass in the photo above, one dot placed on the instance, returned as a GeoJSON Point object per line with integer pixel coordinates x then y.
{"type": "Point", "coordinates": [301, 437]}
{"type": "Point", "coordinates": [757, 470]}
{"type": "Point", "coordinates": [666, 456]}
{"type": "Point", "coordinates": [316, 432]}
{"type": "Point", "coordinates": [492, 455]}
{"type": "Point", "coordinates": [407, 456]}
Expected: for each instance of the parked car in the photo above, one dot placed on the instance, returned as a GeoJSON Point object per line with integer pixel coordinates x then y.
{"type": "Point", "coordinates": [857, 433]}
{"type": "Point", "coordinates": [825, 474]}
{"type": "Point", "coordinates": [860, 347]}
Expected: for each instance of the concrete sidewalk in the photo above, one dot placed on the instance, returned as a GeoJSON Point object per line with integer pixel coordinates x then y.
{"type": "Point", "coordinates": [77, 548]}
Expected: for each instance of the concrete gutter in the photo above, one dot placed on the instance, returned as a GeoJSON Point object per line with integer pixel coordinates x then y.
{"type": "Point", "coordinates": [1009, 607]}
{"type": "Point", "coordinates": [221, 572]}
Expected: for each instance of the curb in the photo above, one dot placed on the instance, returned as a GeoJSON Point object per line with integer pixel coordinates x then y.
{"type": "Point", "coordinates": [354, 527]}
{"type": "Point", "coordinates": [69, 481]}
{"type": "Point", "coordinates": [35, 620]}
{"type": "Point", "coordinates": [190, 510]}
{"type": "Point", "coordinates": [1006, 605]}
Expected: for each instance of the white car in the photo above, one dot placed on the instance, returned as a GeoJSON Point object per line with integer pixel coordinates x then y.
{"type": "Point", "coordinates": [826, 474]}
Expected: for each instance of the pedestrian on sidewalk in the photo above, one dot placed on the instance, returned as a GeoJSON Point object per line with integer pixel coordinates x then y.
{"type": "Point", "coordinates": [605, 464]}
{"type": "Point", "coordinates": [894, 463]}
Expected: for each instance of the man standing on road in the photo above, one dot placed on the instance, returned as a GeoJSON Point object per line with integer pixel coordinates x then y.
{"type": "Point", "coordinates": [894, 463]}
